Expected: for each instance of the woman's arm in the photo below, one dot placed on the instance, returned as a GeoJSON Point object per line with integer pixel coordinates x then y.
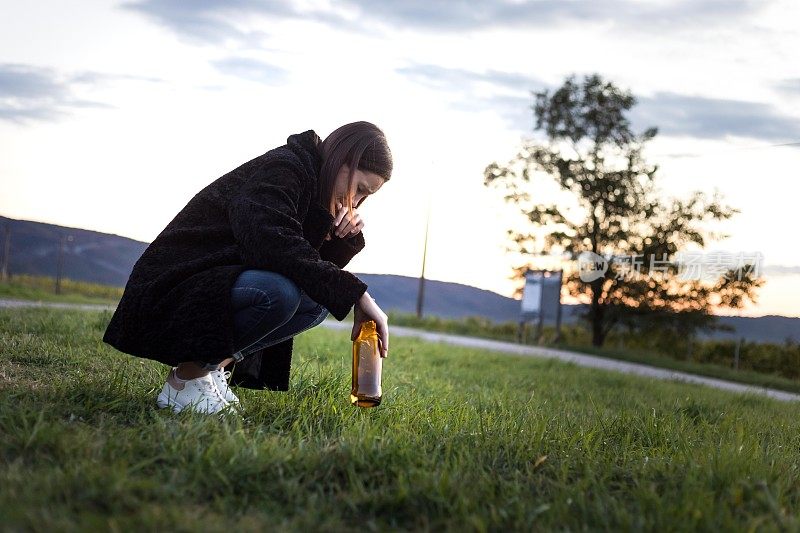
{"type": "Point", "coordinates": [340, 251]}
{"type": "Point", "coordinates": [263, 218]}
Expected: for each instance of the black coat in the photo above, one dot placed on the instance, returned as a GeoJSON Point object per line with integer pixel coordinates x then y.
{"type": "Point", "coordinates": [265, 215]}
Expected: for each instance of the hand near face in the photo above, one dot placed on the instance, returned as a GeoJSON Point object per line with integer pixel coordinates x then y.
{"type": "Point", "coordinates": [345, 225]}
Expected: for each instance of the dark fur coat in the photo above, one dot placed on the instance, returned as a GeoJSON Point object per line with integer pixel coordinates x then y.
{"type": "Point", "coordinates": [266, 215]}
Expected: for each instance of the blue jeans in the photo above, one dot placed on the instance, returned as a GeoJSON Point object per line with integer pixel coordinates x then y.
{"type": "Point", "coordinates": [269, 308]}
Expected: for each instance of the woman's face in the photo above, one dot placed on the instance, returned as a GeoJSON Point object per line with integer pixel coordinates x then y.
{"type": "Point", "coordinates": [364, 184]}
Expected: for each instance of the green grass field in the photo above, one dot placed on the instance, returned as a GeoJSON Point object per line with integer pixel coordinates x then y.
{"type": "Point", "coordinates": [40, 288]}
{"type": "Point", "coordinates": [481, 327]}
{"type": "Point", "coordinates": [463, 441]}
{"type": "Point", "coordinates": [711, 370]}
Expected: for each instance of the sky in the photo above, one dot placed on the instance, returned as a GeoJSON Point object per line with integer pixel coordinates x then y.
{"type": "Point", "coordinates": [113, 115]}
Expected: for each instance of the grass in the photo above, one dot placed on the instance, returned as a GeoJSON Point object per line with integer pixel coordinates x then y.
{"type": "Point", "coordinates": [42, 289]}
{"type": "Point", "coordinates": [463, 441]}
{"type": "Point", "coordinates": [479, 327]}
{"type": "Point", "coordinates": [747, 377]}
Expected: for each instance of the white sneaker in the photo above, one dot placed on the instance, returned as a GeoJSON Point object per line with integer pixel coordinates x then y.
{"type": "Point", "coordinates": [221, 378]}
{"type": "Point", "coordinates": [199, 394]}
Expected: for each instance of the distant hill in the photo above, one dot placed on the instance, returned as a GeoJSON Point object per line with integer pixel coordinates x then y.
{"type": "Point", "coordinates": [90, 256]}
{"type": "Point", "coordinates": [108, 258]}
{"type": "Point", "coordinates": [442, 298]}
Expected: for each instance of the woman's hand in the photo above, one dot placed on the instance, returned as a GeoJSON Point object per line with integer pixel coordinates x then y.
{"type": "Point", "coordinates": [366, 309]}
{"type": "Point", "coordinates": [346, 225]}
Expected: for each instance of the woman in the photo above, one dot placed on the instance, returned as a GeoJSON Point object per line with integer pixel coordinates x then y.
{"type": "Point", "coordinates": [253, 259]}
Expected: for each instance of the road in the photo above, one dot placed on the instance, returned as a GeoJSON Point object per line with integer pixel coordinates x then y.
{"type": "Point", "coordinates": [512, 348]}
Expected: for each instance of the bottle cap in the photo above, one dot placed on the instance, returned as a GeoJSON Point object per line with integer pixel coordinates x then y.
{"type": "Point", "coordinates": [368, 326]}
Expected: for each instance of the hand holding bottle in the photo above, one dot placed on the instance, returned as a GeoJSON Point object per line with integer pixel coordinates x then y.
{"type": "Point", "coordinates": [367, 309]}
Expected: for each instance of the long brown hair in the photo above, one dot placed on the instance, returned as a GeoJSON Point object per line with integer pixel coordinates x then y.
{"type": "Point", "coordinates": [359, 145]}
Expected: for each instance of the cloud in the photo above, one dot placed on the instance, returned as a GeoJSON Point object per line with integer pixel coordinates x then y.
{"type": "Point", "coordinates": [506, 93]}
{"type": "Point", "coordinates": [789, 86]}
{"type": "Point", "coordinates": [97, 78]}
{"type": "Point", "coordinates": [252, 69]}
{"type": "Point", "coordinates": [509, 94]}
{"type": "Point", "coordinates": [481, 14]}
{"type": "Point", "coordinates": [448, 78]}
{"type": "Point", "coordinates": [211, 21]}
{"type": "Point", "coordinates": [31, 93]}
{"type": "Point", "coordinates": [713, 118]}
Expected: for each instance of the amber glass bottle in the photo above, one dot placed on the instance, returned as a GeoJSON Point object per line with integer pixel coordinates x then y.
{"type": "Point", "coordinates": [367, 363]}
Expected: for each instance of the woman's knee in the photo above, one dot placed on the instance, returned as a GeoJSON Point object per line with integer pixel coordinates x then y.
{"type": "Point", "coordinates": [277, 291]}
{"type": "Point", "coordinates": [288, 297]}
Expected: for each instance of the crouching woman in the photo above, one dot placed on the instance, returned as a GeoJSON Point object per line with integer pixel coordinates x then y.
{"type": "Point", "coordinates": [253, 259]}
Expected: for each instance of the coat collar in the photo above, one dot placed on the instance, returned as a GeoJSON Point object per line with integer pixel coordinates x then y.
{"type": "Point", "coordinates": [318, 220]}
{"type": "Point", "coordinates": [306, 146]}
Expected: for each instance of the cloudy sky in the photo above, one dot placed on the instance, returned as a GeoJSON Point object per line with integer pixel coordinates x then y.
{"type": "Point", "coordinates": [114, 114]}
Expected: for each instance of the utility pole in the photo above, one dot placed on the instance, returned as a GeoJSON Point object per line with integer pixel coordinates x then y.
{"type": "Point", "coordinates": [421, 291]}
{"type": "Point", "coordinates": [64, 237]}
{"type": "Point", "coordinates": [6, 251]}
